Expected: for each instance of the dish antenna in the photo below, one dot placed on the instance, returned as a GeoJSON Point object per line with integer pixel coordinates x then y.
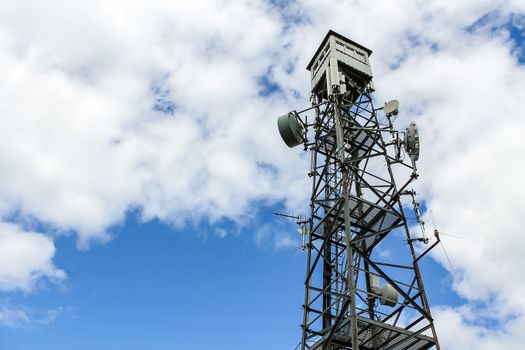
{"type": "Point", "coordinates": [391, 108]}
{"type": "Point", "coordinates": [291, 129]}
{"type": "Point", "coordinates": [386, 293]}
{"type": "Point", "coordinates": [411, 141]}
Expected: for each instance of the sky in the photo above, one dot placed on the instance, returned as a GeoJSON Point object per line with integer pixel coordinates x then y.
{"type": "Point", "coordinates": [141, 163]}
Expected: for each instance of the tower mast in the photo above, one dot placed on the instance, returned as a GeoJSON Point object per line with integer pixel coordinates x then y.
{"type": "Point", "coordinates": [356, 296]}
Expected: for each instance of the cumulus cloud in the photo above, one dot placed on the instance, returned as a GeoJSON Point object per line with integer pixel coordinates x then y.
{"type": "Point", "coordinates": [461, 329]}
{"type": "Point", "coordinates": [25, 259]}
{"type": "Point", "coordinates": [139, 108]}
{"type": "Point", "coordinates": [170, 109]}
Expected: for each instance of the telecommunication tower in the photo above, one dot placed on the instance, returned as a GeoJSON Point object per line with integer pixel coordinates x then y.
{"type": "Point", "coordinates": [363, 287]}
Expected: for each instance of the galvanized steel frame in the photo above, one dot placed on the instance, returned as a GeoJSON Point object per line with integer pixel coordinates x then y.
{"type": "Point", "coordinates": [348, 142]}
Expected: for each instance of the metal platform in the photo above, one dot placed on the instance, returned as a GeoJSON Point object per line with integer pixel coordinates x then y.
{"type": "Point", "coordinates": [373, 220]}
{"type": "Point", "coordinates": [362, 142]}
{"type": "Point", "coordinates": [374, 335]}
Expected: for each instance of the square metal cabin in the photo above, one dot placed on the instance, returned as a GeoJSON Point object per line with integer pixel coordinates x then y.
{"type": "Point", "coordinates": [339, 61]}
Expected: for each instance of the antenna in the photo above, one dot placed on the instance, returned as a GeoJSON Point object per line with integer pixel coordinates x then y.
{"type": "Point", "coordinates": [419, 220]}
{"type": "Point", "coordinates": [411, 141]}
{"type": "Point", "coordinates": [436, 234]}
{"type": "Point", "coordinates": [291, 129]}
{"type": "Point", "coordinates": [391, 108]}
{"type": "Point", "coordinates": [301, 221]}
{"type": "Point", "coordinates": [353, 298]}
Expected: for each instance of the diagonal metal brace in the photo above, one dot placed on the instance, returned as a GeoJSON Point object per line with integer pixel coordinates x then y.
{"type": "Point", "coordinates": [394, 284]}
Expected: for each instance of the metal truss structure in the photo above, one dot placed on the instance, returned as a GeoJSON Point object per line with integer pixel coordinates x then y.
{"type": "Point", "coordinates": [358, 237]}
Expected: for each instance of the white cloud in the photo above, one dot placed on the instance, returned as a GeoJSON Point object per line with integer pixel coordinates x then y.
{"type": "Point", "coordinates": [23, 317]}
{"type": "Point", "coordinates": [460, 328]}
{"type": "Point", "coordinates": [14, 317]}
{"type": "Point", "coordinates": [25, 258]}
{"type": "Point", "coordinates": [80, 143]}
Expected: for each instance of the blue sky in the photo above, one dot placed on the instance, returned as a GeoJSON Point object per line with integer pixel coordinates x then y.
{"type": "Point", "coordinates": [142, 163]}
{"type": "Point", "coordinates": [156, 287]}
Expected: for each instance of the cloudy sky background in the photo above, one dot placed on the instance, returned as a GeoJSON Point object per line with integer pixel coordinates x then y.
{"type": "Point", "coordinates": [144, 133]}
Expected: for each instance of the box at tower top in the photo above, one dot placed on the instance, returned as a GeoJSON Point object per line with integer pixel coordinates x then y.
{"type": "Point", "coordinates": [340, 62]}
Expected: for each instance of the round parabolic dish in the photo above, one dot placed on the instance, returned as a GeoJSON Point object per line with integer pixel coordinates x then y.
{"type": "Point", "coordinates": [391, 107]}
{"type": "Point", "coordinates": [290, 129]}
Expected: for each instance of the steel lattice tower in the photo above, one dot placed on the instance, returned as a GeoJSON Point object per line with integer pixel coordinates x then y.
{"type": "Point", "coordinates": [356, 298]}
